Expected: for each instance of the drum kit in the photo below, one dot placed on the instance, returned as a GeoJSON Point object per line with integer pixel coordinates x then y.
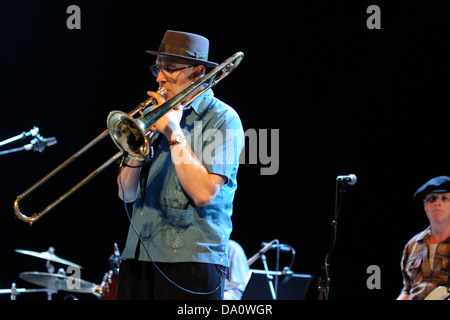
{"type": "Point", "coordinates": [52, 282]}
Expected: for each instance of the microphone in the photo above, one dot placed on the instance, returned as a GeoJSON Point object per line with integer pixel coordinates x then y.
{"type": "Point", "coordinates": [257, 255]}
{"type": "Point", "coordinates": [349, 179]}
{"type": "Point", "coordinates": [283, 247]}
{"type": "Point", "coordinates": [39, 143]}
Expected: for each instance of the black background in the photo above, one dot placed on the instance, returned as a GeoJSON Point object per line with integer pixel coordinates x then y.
{"type": "Point", "coordinates": [345, 99]}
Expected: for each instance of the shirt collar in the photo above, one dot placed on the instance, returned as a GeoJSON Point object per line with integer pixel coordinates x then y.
{"type": "Point", "coordinates": [200, 104]}
{"type": "Point", "coordinates": [424, 234]}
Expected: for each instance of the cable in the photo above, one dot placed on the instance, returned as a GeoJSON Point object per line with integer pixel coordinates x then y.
{"type": "Point", "coordinates": [149, 256]}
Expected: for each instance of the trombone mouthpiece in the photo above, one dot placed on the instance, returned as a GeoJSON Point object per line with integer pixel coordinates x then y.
{"type": "Point", "coordinates": [152, 101]}
{"type": "Point", "coordinates": [162, 91]}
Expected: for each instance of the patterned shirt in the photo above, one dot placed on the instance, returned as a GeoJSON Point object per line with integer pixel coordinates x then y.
{"type": "Point", "coordinates": [172, 227]}
{"type": "Point", "coordinates": [419, 278]}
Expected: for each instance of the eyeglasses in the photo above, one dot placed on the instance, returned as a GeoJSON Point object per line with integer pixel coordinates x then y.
{"type": "Point", "coordinates": [166, 70]}
{"type": "Point", "coordinates": [433, 197]}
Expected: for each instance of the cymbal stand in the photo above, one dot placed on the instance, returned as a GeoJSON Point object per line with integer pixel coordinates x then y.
{"type": "Point", "coordinates": [51, 269]}
{"type": "Point", "coordinates": [48, 265]}
{"type": "Point", "coordinates": [14, 291]}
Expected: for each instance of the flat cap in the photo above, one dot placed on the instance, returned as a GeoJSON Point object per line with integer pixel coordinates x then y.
{"type": "Point", "coordinates": [438, 184]}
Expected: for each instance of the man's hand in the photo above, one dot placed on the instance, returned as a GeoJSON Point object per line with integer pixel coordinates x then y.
{"type": "Point", "coordinates": [170, 122]}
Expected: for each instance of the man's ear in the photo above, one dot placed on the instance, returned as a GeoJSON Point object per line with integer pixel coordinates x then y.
{"type": "Point", "coordinates": [199, 71]}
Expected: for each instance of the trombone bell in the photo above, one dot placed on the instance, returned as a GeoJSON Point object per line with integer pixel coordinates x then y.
{"type": "Point", "coordinates": [128, 134]}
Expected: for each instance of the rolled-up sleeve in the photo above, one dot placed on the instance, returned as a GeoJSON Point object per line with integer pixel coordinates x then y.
{"type": "Point", "coordinates": [223, 143]}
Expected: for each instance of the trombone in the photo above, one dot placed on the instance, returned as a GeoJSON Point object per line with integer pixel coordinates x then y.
{"type": "Point", "coordinates": [131, 135]}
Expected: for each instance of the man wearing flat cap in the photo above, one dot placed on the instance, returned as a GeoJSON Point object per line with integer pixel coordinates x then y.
{"type": "Point", "coordinates": [178, 241]}
{"type": "Point", "coordinates": [426, 258]}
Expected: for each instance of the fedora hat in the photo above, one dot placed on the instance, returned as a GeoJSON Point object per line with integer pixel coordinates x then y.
{"type": "Point", "coordinates": [188, 46]}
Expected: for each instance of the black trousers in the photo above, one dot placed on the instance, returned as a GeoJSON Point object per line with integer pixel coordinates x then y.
{"type": "Point", "coordinates": [140, 280]}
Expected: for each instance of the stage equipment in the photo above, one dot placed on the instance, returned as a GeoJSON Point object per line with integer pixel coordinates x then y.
{"type": "Point", "coordinates": [266, 246]}
{"type": "Point", "coordinates": [58, 282]}
{"type": "Point", "coordinates": [48, 255]}
{"type": "Point", "coordinates": [324, 281]}
{"type": "Point", "coordinates": [14, 291]}
{"type": "Point", "coordinates": [134, 143]}
{"type": "Point", "coordinates": [351, 179]}
{"type": "Point", "coordinates": [33, 132]}
{"type": "Point", "coordinates": [51, 280]}
{"type": "Point", "coordinates": [38, 144]}
{"type": "Point", "coordinates": [293, 286]}
{"type": "Point", "coordinates": [107, 288]}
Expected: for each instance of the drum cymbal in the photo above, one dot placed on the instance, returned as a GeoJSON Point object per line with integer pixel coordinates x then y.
{"type": "Point", "coordinates": [57, 282]}
{"type": "Point", "coordinates": [48, 255]}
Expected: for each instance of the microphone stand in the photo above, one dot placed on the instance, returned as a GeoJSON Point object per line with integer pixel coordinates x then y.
{"type": "Point", "coordinates": [12, 150]}
{"type": "Point", "coordinates": [37, 144]}
{"type": "Point", "coordinates": [261, 255]}
{"type": "Point", "coordinates": [324, 279]}
{"type": "Point", "coordinates": [33, 132]}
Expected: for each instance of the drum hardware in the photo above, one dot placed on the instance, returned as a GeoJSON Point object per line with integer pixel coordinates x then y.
{"type": "Point", "coordinates": [107, 288]}
{"type": "Point", "coordinates": [54, 282]}
{"type": "Point", "coordinates": [16, 291]}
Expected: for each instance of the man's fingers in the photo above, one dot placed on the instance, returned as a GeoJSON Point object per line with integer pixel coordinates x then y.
{"type": "Point", "coordinates": [157, 97]}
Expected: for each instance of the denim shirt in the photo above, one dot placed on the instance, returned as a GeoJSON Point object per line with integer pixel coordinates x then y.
{"type": "Point", "coordinates": [172, 227]}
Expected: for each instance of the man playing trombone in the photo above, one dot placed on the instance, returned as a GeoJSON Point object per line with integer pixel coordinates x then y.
{"type": "Point", "coordinates": [178, 241]}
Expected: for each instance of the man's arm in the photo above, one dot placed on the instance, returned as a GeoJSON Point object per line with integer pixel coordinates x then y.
{"type": "Point", "coordinates": [195, 179]}
{"type": "Point", "coordinates": [128, 180]}
{"type": "Point", "coordinates": [197, 182]}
